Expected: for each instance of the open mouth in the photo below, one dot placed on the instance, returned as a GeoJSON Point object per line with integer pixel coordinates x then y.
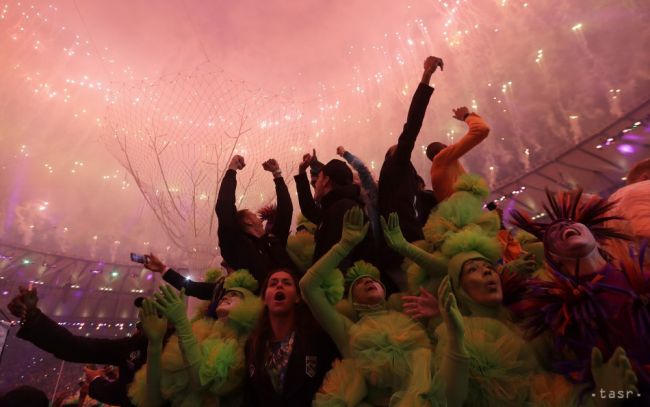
{"type": "Point", "coordinates": [371, 287]}
{"type": "Point", "coordinates": [279, 296]}
{"type": "Point", "coordinates": [492, 285]}
{"type": "Point", "coordinates": [569, 233]}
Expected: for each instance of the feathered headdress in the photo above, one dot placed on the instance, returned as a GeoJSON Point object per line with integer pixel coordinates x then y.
{"type": "Point", "coordinates": [572, 206]}
{"type": "Point", "coordinates": [267, 213]}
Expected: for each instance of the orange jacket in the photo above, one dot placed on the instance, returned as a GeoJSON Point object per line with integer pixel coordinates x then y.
{"type": "Point", "coordinates": [446, 168]}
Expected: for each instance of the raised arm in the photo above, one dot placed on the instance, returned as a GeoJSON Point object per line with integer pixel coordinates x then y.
{"type": "Point", "coordinates": [335, 324]}
{"type": "Point", "coordinates": [49, 336]}
{"type": "Point", "coordinates": [225, 207]}
{"type": "Point", "coordinates": [478, 131]}
{"type": "Point", "coordinates": [282, 222]}
{"type": "Point", "coordinates": [418, 108]}
{"type": "Point", "coordinates": [455, 363]}
{"type": "Point", "coordinates": [308, 206]}
{"type": "Point", "coordinates": [200, 290]}
{"type": "Point", "coordinates": [367, 181]}
{"type": "Point", "coordinates": [173, 307]}
{"type": "Point", "coordinates": [433, 263]}
{"type": "Point", "coordinates": [154, 327]}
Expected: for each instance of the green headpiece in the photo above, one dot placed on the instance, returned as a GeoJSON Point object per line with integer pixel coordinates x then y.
{"type": "Point", "coordinates": [469, 244]}
{"type": "Point", "coordinates": [244, 316]}
{"type": "Point", "coordinates": [359, 270]}
{"type": "Point", "coordinates": [300, 248]}
{"type": "Point", "coordinates": [213, 274]}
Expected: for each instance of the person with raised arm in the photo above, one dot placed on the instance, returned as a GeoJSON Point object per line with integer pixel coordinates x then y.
{"type": "Point", "coordinates": [243, 241]}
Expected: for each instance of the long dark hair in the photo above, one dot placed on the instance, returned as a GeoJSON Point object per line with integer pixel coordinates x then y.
{"type": "Point", "coordinates": [262, 333]}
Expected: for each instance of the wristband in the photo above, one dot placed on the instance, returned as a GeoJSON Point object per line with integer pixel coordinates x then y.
{"type": "Point", "coordinates": [465, 117]}
{"type": "Point", "coordinates": [277, 174]}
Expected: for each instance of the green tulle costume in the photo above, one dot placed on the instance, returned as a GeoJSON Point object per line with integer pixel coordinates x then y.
{"type": "Point", "coordinates": [502, 365]}
{"type": "Point", "coordinates": [222, 359]}
{"type": "Point", "coordinates": [300, 245]}
{"type": "Point", "coordinates": [425, 263]}
{"type": "Point", "coordinates": [386, 355]}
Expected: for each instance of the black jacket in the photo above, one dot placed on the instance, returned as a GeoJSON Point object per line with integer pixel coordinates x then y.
{"type": "Point", "coordinates": [398, 181]}
{"type": "Point", "coordinates": [200, 290]}
{"type": "Point", "coordinates": [128, 353]}
{"type": "Point", "coordinates": [426, 202]}
{"type": "Point", "coordinates": [311, 358]}
{"type": "Point", "coordinates": [243, 251]}
{"type": "Point", "coordinates": [329, 219]}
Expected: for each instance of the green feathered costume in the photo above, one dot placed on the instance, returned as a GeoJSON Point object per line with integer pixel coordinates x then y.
{"type": "Point", "coordinates": [300, 245]}
{"type": "Point", "coordinates": [222, 367]}
{"type": "Point", "coordinates": [426, 264]}
{"type": "Point", "coordinates": [386, 355]}
{"type": "Point", "coordinates": [503, 370]}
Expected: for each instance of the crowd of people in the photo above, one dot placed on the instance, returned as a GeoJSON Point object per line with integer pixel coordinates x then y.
{"type": "Point", "coordinates": [389, 294]}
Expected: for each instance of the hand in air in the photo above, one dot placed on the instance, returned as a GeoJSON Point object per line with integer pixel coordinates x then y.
{"type": "Point", "coordinates": [154, 264]}
{"type": "Point", "coordinates": [423, 306]}
{"type": "Point", "coordinates": [236, 163]}
{"type": "Point", "coordinates": [354, 228]}
{"type": "Point", "coordinates": [460, 113]}
{"type": "Point", "coordinates": [170, 304]}
{"type": "Point", "coordinates": [153, 325]}
{"type": "Point", "coordinates": [432, 63]}
{"type": "Point", "coordinates": [271, 165]}
{"type": "Point", "coordinates": [615, 375]}
{"type": "Point", "coordinates": [392, 232]}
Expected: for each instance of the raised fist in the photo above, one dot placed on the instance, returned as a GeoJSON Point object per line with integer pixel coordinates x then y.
{"type": "Point", "coordinates": [340, 150]}
{"type": "Point", "coordinates": [432, 63]}
{"type": "Point", "coordinates": [271, 165]}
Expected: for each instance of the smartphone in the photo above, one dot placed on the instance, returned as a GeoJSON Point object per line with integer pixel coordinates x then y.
{"type": "Point", "coordinates": [139, 258]}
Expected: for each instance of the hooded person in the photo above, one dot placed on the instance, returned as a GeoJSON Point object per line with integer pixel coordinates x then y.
{"type": "Point", "coordinates": [203, 363]}
{"type": "Point", "coordinates": [386, 355]}
{"type": "Point", "coordinates": [484, 360]}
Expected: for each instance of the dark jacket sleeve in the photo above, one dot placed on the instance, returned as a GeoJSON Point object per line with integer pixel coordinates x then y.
{"type": "Point", "coordinates": [53, 338]}
{"type": "Point", "coordinates": [418, 108]}
{"type": "Point", "coordinates": [249, 390]}
{"type": "Point", "coordinates": [306, 200]}
{"type": "Point", "coordinates": [113, 392]}
{"type": "Point", "coordinates": [231, 239]}
{"type": "Point", "coordinates": [201, 291]}
{"type": "Point", "coordinates": [284, 213]}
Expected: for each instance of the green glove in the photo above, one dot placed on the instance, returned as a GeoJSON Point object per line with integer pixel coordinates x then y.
{"type": "Point", "coordinates": [173, 307]}
{"type": "Point", "coordinates": [152, 325]}
{"type": "Point", "coordinates": [454, 323]}
{"type": "Point", "coordinates": [435, 264]}
{"type": "Point", "coordinates": [354, 228]}
{"type": "Point", "coordinates": [615, 375]}
{"type": "Point", "coordinates": [455, 363]}
{"type": "Point", "coordinates": [392, 233]}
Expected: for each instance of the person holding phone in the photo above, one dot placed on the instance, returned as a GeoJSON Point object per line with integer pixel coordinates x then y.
{"type": "Point", "coordinates": [128, 353]}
